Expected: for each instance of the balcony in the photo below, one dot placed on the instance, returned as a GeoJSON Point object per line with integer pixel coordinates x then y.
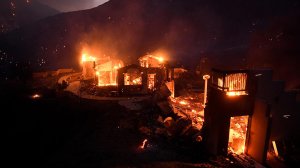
{"type": "Point", "coordinates": [233, 83]}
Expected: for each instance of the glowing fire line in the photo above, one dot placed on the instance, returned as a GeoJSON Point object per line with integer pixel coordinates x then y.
{"type": "Point", "coordinates": [144, 144]}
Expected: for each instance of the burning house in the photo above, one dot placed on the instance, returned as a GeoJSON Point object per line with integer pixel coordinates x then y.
{"type": "Point", "coordinates": [249, 113]}
{"type": "Point", "coordinates": [144, 78]}
{"type": "Point", "coordinates": [235, 121]}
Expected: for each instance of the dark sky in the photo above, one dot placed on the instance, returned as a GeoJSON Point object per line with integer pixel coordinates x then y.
{"type": "Point", "coordinates": [72, 5]}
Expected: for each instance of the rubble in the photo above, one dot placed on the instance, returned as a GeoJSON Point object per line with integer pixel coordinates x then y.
{"type": "Point", "coordinates": [190, 107]}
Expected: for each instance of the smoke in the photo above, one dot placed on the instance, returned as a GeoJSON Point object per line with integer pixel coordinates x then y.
{"type": "Point", "coordinates": [156, 27]}
{"type": "Point", "coordinates": [276, 47]}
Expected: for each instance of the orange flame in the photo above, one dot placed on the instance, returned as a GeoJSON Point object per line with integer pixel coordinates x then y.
{"type": "Point", "coordinates": [237, 134]}
{"type": "Point", "coordinates": [183, 102]}
{"type": "Point", "coordinates": [237, 93]}
{"type": "Point", "coordinates": [85, 58]}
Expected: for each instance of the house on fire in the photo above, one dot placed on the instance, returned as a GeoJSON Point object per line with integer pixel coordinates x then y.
{"type": "Point", "coordinates": [244, 113]}
{"type": "Point", "coordinates": [144, 78]}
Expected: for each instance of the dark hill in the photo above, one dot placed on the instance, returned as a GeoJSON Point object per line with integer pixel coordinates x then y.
{"type": "Point", "coordinates": [16, 13]}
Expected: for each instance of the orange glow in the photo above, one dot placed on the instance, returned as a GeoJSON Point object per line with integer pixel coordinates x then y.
{"type": "Point", "coordinates": [107, 71]}
{"type": "Point", "coordinates": [275, 148]}
{"type": "Point", "coordinates": [106, 79]}
{"type": "Point", "coordinates": [238, 93]}
{"type": "Point", "coordinates": [183, 102]}
{"type": "Point", "coordinates": [151, 61]}
{"type": "Point", "coordinates": [36, 96]}
{"type": "Point", "coordinates": [235, 82]}
{"type": "Point", "coordinates": [160, 59]}
{"type": "Point", "coordinates": [237, 134]}
{"type": "Point", "coordinates": [133, 77]}
{"type": "Point", "coordinates": [85, 58]}
{"type": "Point", "coordinates": [151, 81]}
{"type": "Point", "coordinates": [137, 81]}
{"type": "Point", "coordinates": [189, 106]}
{"type": "Point", "coordinates": [144, 144]}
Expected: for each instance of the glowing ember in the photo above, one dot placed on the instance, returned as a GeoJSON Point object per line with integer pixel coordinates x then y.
{"type": "Point", "coordinates": [238, 93]}
{"type": "Point", "coordinates": [151, 81]}
{"type": "Point", "coordinates": [35, 96]}
{"type": "Point", "coordinates": [275, 148]}
{"type": "Point", "coordinates": [189, 106]}
{"type": "Point", "coordinates": [137, 81]}
{"type": "Point", "coordinates": [183, 102]}
{"type": "Point", "coordinates": [237, 134]}
{"type": "Point", "coordinates": [144, 144]}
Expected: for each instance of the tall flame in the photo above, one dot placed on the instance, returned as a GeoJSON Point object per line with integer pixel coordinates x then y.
{"type": "Point", "coordinates": [86, 58]}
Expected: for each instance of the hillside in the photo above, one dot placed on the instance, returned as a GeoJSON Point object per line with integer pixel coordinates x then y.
{"type": "Point", "coordinates": [17, 13]}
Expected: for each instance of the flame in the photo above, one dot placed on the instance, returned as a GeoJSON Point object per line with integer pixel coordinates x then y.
{"type": "Point", "coordinates": [237, 134]}
{"type": "Point", "coordinates": [160, 59]}
{"type": "Point", "coordinates": [106, 73]}
{"type": "Point", "coordinates": [101, 80]}
{"type": "Point", "coordinates": [144, 144]}
{"type": "Point", "coordinates": [183, 102]}
{"type": "Point", "coordinates": [275, 148]}
{"type": "Point", "coordinates": [237, 93]}
{"type": "Point", "coordinates": [189, 106]}
{"type": "Point", "coordinates": [137, 81]}
{"type": "Point", "coordinates": [85, 58]}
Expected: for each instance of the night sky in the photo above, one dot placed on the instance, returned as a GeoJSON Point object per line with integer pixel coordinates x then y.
{"type": "Point", "coordinates": [72, 5]}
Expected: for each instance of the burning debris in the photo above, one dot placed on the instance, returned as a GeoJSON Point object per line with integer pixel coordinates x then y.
{"type": "Point", "coordinates": [237, 134]}
{"type": "Point", "coordinates": [190, 107]}
{"type": "Point", "coordinates": [144, 144]}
